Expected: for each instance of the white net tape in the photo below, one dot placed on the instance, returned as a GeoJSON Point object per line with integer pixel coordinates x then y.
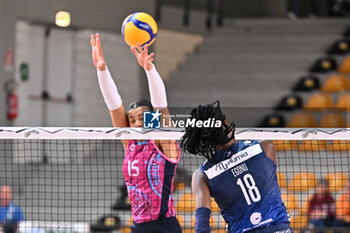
{"type": "Point", "coordinates": [174, 133]}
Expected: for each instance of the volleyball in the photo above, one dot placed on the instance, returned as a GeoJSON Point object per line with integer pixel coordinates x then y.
{"type": "Point", "coordinates": [140, 28]}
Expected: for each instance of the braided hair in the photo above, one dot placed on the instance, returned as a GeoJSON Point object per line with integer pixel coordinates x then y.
{"type": "Point", "coordinates": [204, 141]}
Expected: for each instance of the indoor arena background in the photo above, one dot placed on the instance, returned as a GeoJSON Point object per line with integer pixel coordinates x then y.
{"type": "Point", "coordinates": [270, 65]}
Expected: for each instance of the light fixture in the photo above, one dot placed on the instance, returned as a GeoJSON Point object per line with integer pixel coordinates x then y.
{"type": "Point", "coordinates": [63, 18]}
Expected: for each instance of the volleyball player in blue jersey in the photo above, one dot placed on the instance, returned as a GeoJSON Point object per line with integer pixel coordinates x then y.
{"type": "Point", "coordinates": [239, 175]}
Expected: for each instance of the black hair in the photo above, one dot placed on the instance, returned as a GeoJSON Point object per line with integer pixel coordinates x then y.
{"type": "Point", "coordinates": [204, 141]}
{"type": "Point", "coordinates": [141, 103]}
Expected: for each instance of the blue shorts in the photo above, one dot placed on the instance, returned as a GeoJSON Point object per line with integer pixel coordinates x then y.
{"type": "Point", "coordinates": [164, 225]}
{"type": "Point", "coordinates": [278, 228]}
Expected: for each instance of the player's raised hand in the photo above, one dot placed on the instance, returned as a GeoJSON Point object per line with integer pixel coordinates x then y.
{"type": "Point", "coordinates": [97, 53]}
{"type": "Point", "coordinates": [145, 60]}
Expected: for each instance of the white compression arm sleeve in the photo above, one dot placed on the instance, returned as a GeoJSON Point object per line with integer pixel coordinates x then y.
{"type": "Point", "coordinates": [156, 89]}
{"type": "Point", "coordinates": [109, 90]}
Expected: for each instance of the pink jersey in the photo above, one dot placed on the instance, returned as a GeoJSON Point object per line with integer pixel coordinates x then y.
{"type": "Point", "coordinates": [149, 176]}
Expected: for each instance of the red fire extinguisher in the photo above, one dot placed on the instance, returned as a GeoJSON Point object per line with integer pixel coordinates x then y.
{"type": "Point", "coordinates": [12, 100]}
{"type": "Point", "coordinates": [12, 105]}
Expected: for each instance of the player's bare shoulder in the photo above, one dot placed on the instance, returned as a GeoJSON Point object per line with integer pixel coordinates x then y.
{"type": "Point", "coordinates": [269, 150]}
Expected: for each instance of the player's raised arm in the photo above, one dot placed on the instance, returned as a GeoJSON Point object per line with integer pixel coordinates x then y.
{"type": "Point", "coordinates": [201, 194]}
{"type": "Point", "coordinates": [158, 96]}
{"type": "Point", "coordinates": [155, 82]}
{"type": "Point", "coordinates": [108, 88]}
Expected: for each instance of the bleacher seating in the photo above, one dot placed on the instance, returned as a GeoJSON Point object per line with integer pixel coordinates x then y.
{"type": "Point", "coordinates": [181, 219]}
{"type": "Point", "coordinates": [267, 56]}
{"type": "Point", "coordinates": [332, 120]}
{"type": "Point", "coordinates": [336, 83]}
{"type": "Point", "coordinates": [285, 145]}
{"type": "Point", "coordinates": [299, 222]}
{"type": "Point", "coordinates": [186, 203]}
{"type": "Point", "coordinates": [337, 180]}
{"type": "Point", "coordinates": [344, 102]}
{"type": "Point", "coordinates": [282, 180]}
{"type": "Point", "coordinates": [344, 68]}
{"type": "Point", "coordinates": [302, 120]}
{"type": "Point", "coordinates": [305, 205]}
{"type": "Point", "coordinates": [312, 145]}
{"type": "Point", "coordinates": [291, 202]}
{"type": "Point", "coordinates": [302, 182]}
{"type": "Point", "coordinates": [338, 145]}
{"type": "Point", "coordinates": [214, 206]}
{"type": "Point", "coordinates": [319, 102]}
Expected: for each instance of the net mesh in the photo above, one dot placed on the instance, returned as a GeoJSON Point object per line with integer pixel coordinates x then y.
{"type": "Point", "coordinates": [71, 180]}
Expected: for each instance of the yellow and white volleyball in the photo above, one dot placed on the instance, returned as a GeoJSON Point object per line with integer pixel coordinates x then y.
{"type": "Point", "coordinates": [140, 28]}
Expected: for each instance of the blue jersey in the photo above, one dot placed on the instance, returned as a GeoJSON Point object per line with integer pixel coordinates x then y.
{"type": "Point", "coordinates": [243, 182]}
{"type": "Point", "coordinates": [10, 214]}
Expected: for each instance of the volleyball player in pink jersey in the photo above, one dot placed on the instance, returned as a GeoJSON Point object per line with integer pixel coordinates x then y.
{"type": "Point", "coordinates": [149, 166]}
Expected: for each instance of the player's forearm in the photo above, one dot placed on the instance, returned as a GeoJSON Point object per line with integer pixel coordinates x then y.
{"type": "Point", "coordinates": [156, 88]}
{"type": "Point", "coordinates": [109, 89]}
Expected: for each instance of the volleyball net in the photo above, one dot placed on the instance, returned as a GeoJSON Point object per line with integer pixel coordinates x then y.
{"type": "Point", "coordinates": [71, 179]}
